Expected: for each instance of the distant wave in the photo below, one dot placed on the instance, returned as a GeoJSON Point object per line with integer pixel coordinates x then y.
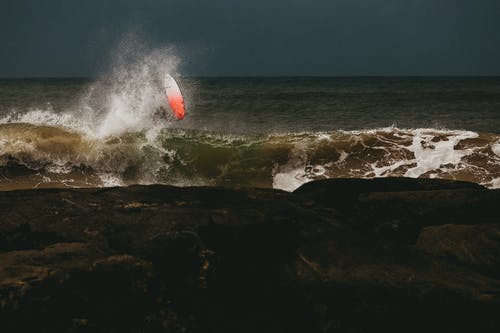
{"type": "Point", "coordinates": [34, 155]}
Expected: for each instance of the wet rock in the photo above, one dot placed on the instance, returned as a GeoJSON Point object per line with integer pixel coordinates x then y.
{"type": "Point", "coordinates": [335, 256]}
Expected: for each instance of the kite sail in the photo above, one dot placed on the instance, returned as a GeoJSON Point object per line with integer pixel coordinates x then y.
{"type": "Point", "coordinates": [174, 97]}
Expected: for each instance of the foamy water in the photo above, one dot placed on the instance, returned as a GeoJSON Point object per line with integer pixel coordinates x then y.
{"type": "Point", "coordinates": [386, 152]}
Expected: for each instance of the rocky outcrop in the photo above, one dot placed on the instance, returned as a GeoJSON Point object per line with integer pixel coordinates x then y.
{"type": "Point", "coordinates": [334, 256]}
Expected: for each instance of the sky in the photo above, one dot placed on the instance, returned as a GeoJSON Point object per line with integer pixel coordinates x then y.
{"type": "Point", "coordinates": [70, 38]}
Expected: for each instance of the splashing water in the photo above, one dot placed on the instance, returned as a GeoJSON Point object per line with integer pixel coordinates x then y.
{"type": "Point", "coordinates": [111, 128]}
{"type": "Point", "coordinates": [124, 100]}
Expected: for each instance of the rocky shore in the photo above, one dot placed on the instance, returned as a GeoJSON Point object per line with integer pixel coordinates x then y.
{"type": "Point", "coordinates": [345, 255]}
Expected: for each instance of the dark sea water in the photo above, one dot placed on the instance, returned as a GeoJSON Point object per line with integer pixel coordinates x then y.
{"type": "Point", "coordinates": [326, 104]}
{"type": "Point", "coordinates": [268, 132]}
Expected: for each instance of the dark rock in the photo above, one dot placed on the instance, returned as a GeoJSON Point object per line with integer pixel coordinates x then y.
{"type": "Point", "coordinates": [342, 193]}
{"type": "Point", "coordinates": [409, 212]}
{"type": "Point", "coordinates": [386, 255]}
{"type": "Point", "coordinates": [477, 246]}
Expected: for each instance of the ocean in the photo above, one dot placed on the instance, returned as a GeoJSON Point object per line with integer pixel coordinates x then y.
{"type": "Point", "coordinates": [264, 132]}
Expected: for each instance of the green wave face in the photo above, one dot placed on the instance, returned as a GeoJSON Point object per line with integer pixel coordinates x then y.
{"type": "Point", "coordinates": [51, 156]}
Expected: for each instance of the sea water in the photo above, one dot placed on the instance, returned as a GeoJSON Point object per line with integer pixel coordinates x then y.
{"type": "Point", "coordinates": [248, 131]}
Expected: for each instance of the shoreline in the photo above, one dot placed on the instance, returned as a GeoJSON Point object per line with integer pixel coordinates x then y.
{"type": "Point", "coordinates": [338, 255]}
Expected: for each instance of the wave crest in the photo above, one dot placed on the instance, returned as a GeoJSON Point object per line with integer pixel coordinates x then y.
{"type": "Point", "coordinates": [40, 155]}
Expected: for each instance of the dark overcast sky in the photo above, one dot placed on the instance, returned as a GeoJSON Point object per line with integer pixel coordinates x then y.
{"type": "Point", "coordinates": [259, 37]}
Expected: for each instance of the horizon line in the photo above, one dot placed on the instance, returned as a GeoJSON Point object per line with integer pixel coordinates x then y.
{"type": "Point", "coordinates": [263, 76]}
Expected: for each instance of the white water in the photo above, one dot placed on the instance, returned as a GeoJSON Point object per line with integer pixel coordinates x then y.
{"type": "Point", "coordinates": [123, 100]}
{"type": "Point", "coordinates": [431, 156]}
{"type": "Point", "coordinates": [428, 157]}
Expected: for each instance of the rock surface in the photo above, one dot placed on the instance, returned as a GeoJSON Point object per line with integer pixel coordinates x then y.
{"type": "Point", "coordinates": [392, 255]}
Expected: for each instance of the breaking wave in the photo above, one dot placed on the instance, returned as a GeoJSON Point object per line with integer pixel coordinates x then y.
{"type": "Point", "coordinates": [113, 135]}
{"type": "Point", "coordinates": [34, 155]}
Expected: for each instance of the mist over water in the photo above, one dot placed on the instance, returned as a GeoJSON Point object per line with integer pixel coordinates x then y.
{"type": "Point", "coordinates": [267, 132]}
